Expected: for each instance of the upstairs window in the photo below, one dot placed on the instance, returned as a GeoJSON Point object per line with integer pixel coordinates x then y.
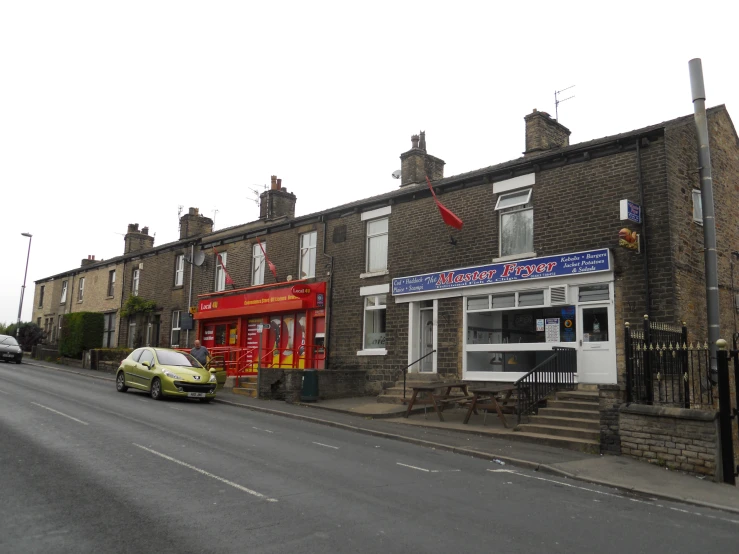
{"type": "Point", "coordinates": [377, 232]}
{"type": "Point", "coordinates": [81, 289]}
{"type": "Point", "coordinates": [135, 282]}
{"type": "Point", "coordinates": [697, 207]}
{"type": "Point", "coordinates": [257, 264]}
{"type": "Point", "coordinates": [111, 282]}
{"type": "Point", "coordinates": [64, 292]}
{"type": "Point", "coordinates": [179, 270]}
{"type": "Point", "coordinates": [220, 273]}
{"type": "Point", "coordinates": [41, 297]}
{"type": "Point", "coordinates": [516, 223]}
{"type": "Point", "coordinates": [308, 255]}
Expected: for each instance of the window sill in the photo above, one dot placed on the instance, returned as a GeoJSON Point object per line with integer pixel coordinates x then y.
{"type": "Point", "coordinates": [515, 257]}
{"type": "Point", "coordinates": [373, 274]}
{"type": "Point", "coordinates": [372, 352]}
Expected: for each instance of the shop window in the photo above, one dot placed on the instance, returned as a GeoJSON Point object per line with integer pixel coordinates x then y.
{"type": "Point", "coordinates": [594, 293]}
{"type": "Point", "coordinates": [535, 298]}
{"type": "Point", "coordinates": [174, 340]}
{"type": "Point", "coordinates": [64, 292]}
{"type": "Point", "coordinates": [377, 233]}
{"type": "Point", "coordinates": [516, 223]}
{"type": "Point", "coordinates": [81, 289]}
{"type": "Point", "coordinates": [478, 303]}
{"type": "Point", "coordinates": [220, 271]}
{"type": "Point", "coordinates": [504, 301]}
{"type": "Point", "coordinates": [697, 207]}
{"type": "Point", "coordinates": [257, 265]}
{"type": "Point", "coordinates": [111, 282]}
{"type": "Point", "coordinates": [308, 255]}
{"type": "Point", "coordinates": [374, 322]}
{"type": "Point", "coordinates": [179, 270]}
{"type": "Point", "coordinates": [135, 282]}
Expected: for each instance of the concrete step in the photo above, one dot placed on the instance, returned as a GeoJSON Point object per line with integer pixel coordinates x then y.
{"type": "Point", "coordinates": [391, 399]}
{"type": "Point", "coordinates": [245, 391]}
{"type": "Point", "coordinates": [557, 431]}
{"type": "Point", "coordinates": [421, 377]}
{"type": "Point", "coordinates": [577, 423]}
{"type": "Point", "coordinates": [585, 387]}
{"type": "Point", "coordinates": [248, 379]}
{"type": "Point", "coordinates": [563, 412]}
{"type": "Point", "coordinates": [570, 443]}
{"type": "Point", "coordinates": [573, 405]}
{"type": "Point", "coordinates": [578, 396]}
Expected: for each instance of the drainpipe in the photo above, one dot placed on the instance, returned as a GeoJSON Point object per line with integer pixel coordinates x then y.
{"type": "Point", "coordinates": [329, 294]}
{"type": "Point", "coordinates": [120, 318]}
{"type": "Point", "coordinates": [644, 226]}
{"type": "Point", "coordinates": [709, 219]}
{"type": "Point", "coordinates": [189, 295]}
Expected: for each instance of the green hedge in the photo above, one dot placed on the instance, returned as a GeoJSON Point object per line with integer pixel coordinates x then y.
{"type": "Point", "coordinates": [80, 331]}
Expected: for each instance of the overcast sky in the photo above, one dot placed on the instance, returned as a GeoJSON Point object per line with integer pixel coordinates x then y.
{"type": "Point", "coordinates": [121, 112]}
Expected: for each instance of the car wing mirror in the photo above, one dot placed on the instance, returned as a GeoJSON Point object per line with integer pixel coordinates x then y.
{"type": "Point", "coordinates": [146, 364]}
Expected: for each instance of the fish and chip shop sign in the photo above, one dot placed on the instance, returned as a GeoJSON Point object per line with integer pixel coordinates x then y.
{"type": "Point", "coordinates": [521, 270]}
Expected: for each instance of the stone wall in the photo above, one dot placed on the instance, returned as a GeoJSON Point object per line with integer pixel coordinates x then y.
{"type": "Point", "coordinates": [610, 399]}
{"type": "Point", "coordinates": [287, 384]}
{"type": "Point", "coordinates": [676, 438]}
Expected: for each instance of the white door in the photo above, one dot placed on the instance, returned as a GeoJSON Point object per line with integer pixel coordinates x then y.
{"type": "Point", "coordinates": [426, 337]}
{"type": "Point", "coordinates": [596, 359]}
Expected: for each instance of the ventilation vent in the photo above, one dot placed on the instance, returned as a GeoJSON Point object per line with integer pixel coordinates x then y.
{"type": "Point", "coordinates": [558, 295]}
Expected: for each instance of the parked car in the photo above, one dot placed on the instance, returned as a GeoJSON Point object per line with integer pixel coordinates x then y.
{"type": "Point", "coordinates": [10, 350]}
{"type": "Point", "coordinates": [166, 372]}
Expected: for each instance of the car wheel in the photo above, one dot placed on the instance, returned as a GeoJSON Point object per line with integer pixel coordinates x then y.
{"type": "Point", "coordinates": [18, 361]}
{"type": "Point", "coordinates": [156, 390]}
{"type": "Point", "coordinates": [120, 382]}
{"type": "Point", "coordinates": [206, 400]}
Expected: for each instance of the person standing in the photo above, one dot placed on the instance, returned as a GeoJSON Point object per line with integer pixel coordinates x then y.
{"type": "Point", "coordinates": [200, 353]}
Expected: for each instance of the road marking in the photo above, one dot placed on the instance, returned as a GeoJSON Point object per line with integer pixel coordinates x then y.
{"type": "Point", "coordinates": [2, 391]}
{"type": "Point", "coordinates": [649, 503]}
{"type": "Point", "coordinates": [60, 413]}
{"type": "Point", "coordinates": [265, 430]}
{"type": "Point", "coordinates": [429, 470]}
{"type": "Point", "coordinates": [207, 474]}
{"type": "Point", "coordinates": [175, 408]}
{"type": "Point", "coordinates": [326, 445]}
{"type": "Point", "coordinates": [414, 467]}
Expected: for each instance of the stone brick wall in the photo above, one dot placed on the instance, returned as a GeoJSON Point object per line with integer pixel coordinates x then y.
{"type": "Point", "coordinates": [673, 437]}
{"type": "Point", "coordinates": [610, 398]}
{"type": "Point", "coordinates": [287, 384]}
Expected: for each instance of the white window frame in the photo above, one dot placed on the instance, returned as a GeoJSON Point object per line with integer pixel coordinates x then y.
{"type": "Point", "coordinates": [697, 207]}
{"type": "Point", "coordinates": [179, 271]}
{"type": "Point", "coordinates": [307, 255]}
{"type": "Point", "coordinates": [81, 289]}
{"type": "Point", "coordinates": [374, 291]}
{"type": "Point", "coordinates": [220, 283]}
{"type": "Point", "coordinates": [132, 333]}
{"type": "Point", "coordinates": [368, 239]}
{"type": "Point", "coordinates": [135, 282]}
{"type": "Point", "coordinates": [523, 205]}
{"type": "Point", "coordinates": [257, 263]}
{"type": "Point", "coordinates": [64, 292]}
{"type": "Point", "coordinates": [176, 326]}
{"type": "Point", "coordinates": [111, 283]}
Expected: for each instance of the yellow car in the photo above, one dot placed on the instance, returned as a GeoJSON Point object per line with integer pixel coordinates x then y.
{"type": "Point", "coordinates": [165, 372]}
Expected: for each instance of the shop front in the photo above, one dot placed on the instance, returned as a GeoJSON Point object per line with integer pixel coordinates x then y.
{"type": "Point", "coordinates": [514, 313]}
{"type": "Point", "coordinates": [280, 327]}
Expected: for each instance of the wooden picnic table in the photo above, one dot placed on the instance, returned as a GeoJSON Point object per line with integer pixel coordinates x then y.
{"type": "Point", "coordinates": [486, 398]}
{"type": "Point", "coordinates": [439, 401]}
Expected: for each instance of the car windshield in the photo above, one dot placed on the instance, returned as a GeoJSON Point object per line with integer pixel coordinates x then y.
{"type": "Point", "coordinates": [7, 339]}
{"type": "Point", "coordinates": [172, 357]}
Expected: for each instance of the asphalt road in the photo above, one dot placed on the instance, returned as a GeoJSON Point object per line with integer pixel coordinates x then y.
{"type": "Point", "coordinates": [84, 468]}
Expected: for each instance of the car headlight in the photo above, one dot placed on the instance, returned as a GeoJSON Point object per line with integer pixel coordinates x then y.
{"type": "Point", "coordinates": [171, 375]}
{"type": "Point", "coordinates": [212, 378]}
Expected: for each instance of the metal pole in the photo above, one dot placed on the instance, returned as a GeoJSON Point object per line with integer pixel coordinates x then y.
{"type": "Point", "coordinates": [23, 288]}
{"type": "Point", "coordinates": [189, 295]}
{"type": "Point", "coordinates": [709, 219]}
{"type": "Point", "coordinates": [725, 416]}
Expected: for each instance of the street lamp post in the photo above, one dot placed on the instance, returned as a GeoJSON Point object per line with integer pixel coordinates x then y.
{"type": "Point", "coordinates": [23, 288]}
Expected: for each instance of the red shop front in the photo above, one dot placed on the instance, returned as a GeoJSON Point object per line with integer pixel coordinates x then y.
{"type": "Point", "coordinates": [291, 320]}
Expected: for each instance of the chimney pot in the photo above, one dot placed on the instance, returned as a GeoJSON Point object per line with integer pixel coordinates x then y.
{"type": "Point", "coordinates": [414, 141]}
{"type": "Point", "coordinates": [279, 184]}
{"type": "Point", "coordinates": [274, 182]}
{"type": "Point", "coordinates": [145, 230]}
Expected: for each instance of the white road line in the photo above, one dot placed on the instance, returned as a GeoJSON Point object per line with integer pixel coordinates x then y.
{"type": "Point", "coordinates": [265, 430]}
{"type": "Point", "coordinates": [2, 391]}
{"type": "Point", "coordinates": [414, 467]}
{"type": "Point", "coordinates": [326, 445]}
{"type": "Point", "coordinates": [207, 474]}
{"type": "Point", "coordinates": [60, 413]}
{"type": "Point", "coordinates": [175, 408]}
{"type": "Point", "coordinates": [609, 494]}
{"type": "Point", "coordinates": [428, 470]}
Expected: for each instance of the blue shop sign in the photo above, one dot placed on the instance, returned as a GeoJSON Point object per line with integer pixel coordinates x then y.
{"type": "Point", "coordinates": [520, 270]}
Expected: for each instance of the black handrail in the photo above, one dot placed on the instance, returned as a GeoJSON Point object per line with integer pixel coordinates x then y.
{"type": "Point", "coordinates": [405, 370]}
{"type": "Point", "coordinates": [555, 373]}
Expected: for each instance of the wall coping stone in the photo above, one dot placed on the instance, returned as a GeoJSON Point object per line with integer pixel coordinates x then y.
{"type": "Point", "coordinates": [666, 411]}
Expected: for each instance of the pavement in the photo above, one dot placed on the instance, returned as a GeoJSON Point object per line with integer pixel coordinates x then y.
{"type": "Point", "coordinates": [484, 437]}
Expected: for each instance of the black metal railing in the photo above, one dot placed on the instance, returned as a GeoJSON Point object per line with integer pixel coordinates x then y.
{"type": "Point", "coordinates": [557, 372]}
{"type": "Point", "coordinates": [405, 369]}
{"type": "Point", "coordinates": [663, 368]}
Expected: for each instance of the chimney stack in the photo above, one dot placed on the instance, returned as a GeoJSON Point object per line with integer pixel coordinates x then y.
{"type": "Point", "coordinates": [276, 203]}
{"type": "Point", "coordinates": [88, 261]}
{"type": "Point", "coordinates": [193, 224]}
{"type": "Point", "coordinates": [416, 164]}
{"type": "Point", "coordinates": [136, 240]}
{"type": "Point", "coordinates": [544, 133]}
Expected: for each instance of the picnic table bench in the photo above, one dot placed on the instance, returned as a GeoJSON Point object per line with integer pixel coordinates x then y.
{"type": "Point", "coordinates": [486, 399]}
{"type": "Point", "coordinates": [426, 394]}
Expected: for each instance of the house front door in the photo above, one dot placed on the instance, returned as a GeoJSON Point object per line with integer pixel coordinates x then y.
{"type": "Point", "coordinates": [596, 360]}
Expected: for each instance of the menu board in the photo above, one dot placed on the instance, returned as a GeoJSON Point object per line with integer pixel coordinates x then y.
{"type": "Point", "coordinates": [552, 329]}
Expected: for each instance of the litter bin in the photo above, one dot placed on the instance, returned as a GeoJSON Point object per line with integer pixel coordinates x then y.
{"type": "Point", "coordinates": [310, 386]}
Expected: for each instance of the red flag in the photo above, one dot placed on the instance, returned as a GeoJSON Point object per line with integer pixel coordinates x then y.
{"type": "Point", "coordinates": [272, 267]}
{"type": "Point", "coordinates": [229, 281]}
{"type": "Point", "coordinates": [446, 214]}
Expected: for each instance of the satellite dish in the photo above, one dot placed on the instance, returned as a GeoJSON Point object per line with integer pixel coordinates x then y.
{"type": "Point", "coordinates": [396, 174]}
{"type": "Point", "coordinates": [199, 258]}
{"type": "Point", "coordinates": [289, 278]}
